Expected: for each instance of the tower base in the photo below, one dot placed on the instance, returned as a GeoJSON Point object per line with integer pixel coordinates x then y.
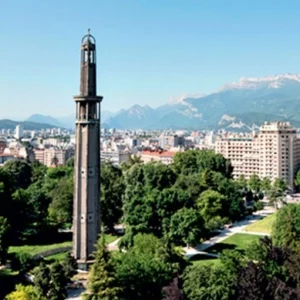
{"type": "Point", "coordinates": [85, 265]}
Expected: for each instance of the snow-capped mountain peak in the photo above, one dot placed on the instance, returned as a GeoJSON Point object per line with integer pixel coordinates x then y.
{"type": "Point", "coordinates": [181, 98]}
{"type": "Point", "coordinates": [274, 81]}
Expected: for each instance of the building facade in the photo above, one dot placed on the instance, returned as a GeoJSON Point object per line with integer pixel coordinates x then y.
{"type": "Point", "coordinates": [19, 132]}
{"type": "Point", "coordinates": [86, 213]}
{"type": "Point", "coordinates": [274, 152]}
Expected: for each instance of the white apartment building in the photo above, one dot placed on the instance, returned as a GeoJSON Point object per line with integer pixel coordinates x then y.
{"type": "Point", "coordinates": [19, 133]}
{"type": "Point", "coordinates": [115, 157]}
{"type": "Point", "coordinates": [274, 152]}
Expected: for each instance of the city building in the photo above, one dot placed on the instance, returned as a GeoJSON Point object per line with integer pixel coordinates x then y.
{"type": "Point", "coordinates": [115, 157]}
{"type": "Point", "coordinates": [168, 141]}
{"type": "Point", "coordinates": [19, 133]}
{"type": "Point", "coordinates": [86, 211]}
{"type": "Point", "coordinates": [165, 157]}
{"type": "Point", "coordinates": [274, 152]}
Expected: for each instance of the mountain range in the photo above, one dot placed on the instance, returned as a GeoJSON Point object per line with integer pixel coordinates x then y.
{"type": "Point", "coordinates": [242, 105]}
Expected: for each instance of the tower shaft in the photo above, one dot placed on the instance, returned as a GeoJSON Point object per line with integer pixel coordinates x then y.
{"type": "Point", "coordinates": [86, 212]}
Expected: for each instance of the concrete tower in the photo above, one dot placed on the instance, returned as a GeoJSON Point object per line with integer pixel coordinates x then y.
{"type": "Point", "coordinates": [86, 215]}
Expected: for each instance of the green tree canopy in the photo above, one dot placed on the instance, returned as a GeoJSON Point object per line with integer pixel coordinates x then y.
{"type": "Point", "coordinates": [254, 183]}
{"type": "Point", "coordinates": [42, 280]}
{"type": "Point", "coordinates": [20, 172]}
{"type": "Point", "coordinates": [186, 226]}
{"type": "Point", "coordinates": [195, 161]}
{"type": "Point", "coordinates": [112, 190]}
{"type": "Point", "coordinates": [58, 282]}
{"type": "Point", "coordinates": [103, 284]}
{"type": "Point", "coordinates": [61, 207]}
{"type": "Point", "coordinates": [211, 204]}
{"type": "Point", "coordinates": [286, 228]}
{"type": "Point", "coordinates": [146, 267]}
{"type": "Point", "coordinates": [4, 239]}
{"type": "Point", "coordinates": [207, 282]}
{"type": "Point", "coordinates": [23, 292]}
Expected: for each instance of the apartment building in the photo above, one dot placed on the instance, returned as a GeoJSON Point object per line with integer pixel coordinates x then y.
{"type": "Point", "coordinates": [115, 157]}
{"type": "Point", "coordinates": [274, 152]}
{"type": "Point", "coordinates": [165, 157]}
{"type": "Point", "coordinates": [51, 155]}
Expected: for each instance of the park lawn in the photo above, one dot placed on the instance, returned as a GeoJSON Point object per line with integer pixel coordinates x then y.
{"type": "Point", "coordinates": [264, 225]}
{"type": "Point", "coordinates": [56, 257]}
{"type": "Point", "coordinates": [201, 259]}
{"type": "Point", "coordinates": [109, 238]}
{"type": "Point", "coordinates": [238, 241]}
{"type": "Point", "coordinates": [36, 249]}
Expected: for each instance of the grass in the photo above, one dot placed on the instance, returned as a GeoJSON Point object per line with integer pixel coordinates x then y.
{"type": "Point", "coordinates": [201, 259]}
{"type": "Point", "coordinates": [56, 257]}
{"type": "Point", "coordinates": [36, 249]}
{"type": "Point", "coordinates": [238, 241]}
{"type": "Point", "coordinates": [109, 238]}
{"type": "Point", "coordinates": [263, 226]}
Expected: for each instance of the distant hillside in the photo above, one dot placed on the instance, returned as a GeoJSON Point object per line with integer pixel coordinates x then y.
{"type": "Point", "coordinates": [37, 118]}
{"type": "Point", "coordinates": [9, 124]}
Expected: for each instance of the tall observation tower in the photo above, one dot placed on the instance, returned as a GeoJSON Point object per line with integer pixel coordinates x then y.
{"type": "Point", "coordinates": [86, 214]}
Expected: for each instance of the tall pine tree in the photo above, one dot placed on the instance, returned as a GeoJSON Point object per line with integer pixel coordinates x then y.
{"type": "Point", "coordinates": [102, 281]}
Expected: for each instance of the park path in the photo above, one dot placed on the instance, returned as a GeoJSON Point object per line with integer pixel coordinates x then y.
{"type": "Point", "coordinates": [237, 227]}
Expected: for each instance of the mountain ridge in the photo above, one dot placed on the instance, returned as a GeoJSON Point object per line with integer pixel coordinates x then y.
{"type": "Point", "coordinates": [245, 102]}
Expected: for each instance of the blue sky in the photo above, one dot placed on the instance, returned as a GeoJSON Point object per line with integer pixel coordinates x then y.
{"type": "Point", "coordinates": [147, 50]}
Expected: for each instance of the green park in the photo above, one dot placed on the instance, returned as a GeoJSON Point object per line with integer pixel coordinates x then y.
{"type": "Point", "coordinates": [164, 210]}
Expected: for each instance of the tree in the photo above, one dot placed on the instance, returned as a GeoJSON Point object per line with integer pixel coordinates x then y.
{"type": "Point", "coordinates": [58, 282]}
{"type": "Point", "coordinates": [42, 280]}
{"type": "Point", "coordinates": [4, 239]}
{"type": "Point", "coordinates": [276, 193]}
{"type": "Point", "coordinates": [271, 272]}
{"type": "Point", "coordinates": [147, 267]}
{"type": "Point", "coordinates": [102, 281]}
{"type": "Point", "coordinates": [38, 204]}
{"type": "Point", "coordinates": [211, 204]}
{"type": "Point", "coordinates": [252, 283]}
{"type": "Point", "coordinates": [61, 207]}
{"type": "Point", "coordinates": [254, 183]}
{"type": "Point", "coordinates": [22, 262]}
{"type": "Point", "coordinates": [24, 293]}
{"type": "Point", "coordinates": [20, 173]}
{"type": "Point", "coordinates": [112, 189]}
{"type": "Point", "coordinates": [187, 226]}
{"type": "Point", "coordinates": [54, 161]}
{"type": "Point", "coordinates": [286, 228]}
{"type": "Point", "coordinates": [242, 182]}
{"type": "Point", "coordinates": [173, 291]}
{"type": "Point", "coordinates": [70, 162]}
{"type": "Point", "coordinates": [69, 265]}
{"type": "Point", "coordinates": [207, 282]}
{"type": "Point", "coordinates": [280, 184]}
{"type": "Point", "coordinates": [195, 161]}
{"type": "Point", "coordinates": [265, 184]}
{"type": "Point", "coordinates": [38, 171]}
{"type": "Point", "coordinates": [132, 160]}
